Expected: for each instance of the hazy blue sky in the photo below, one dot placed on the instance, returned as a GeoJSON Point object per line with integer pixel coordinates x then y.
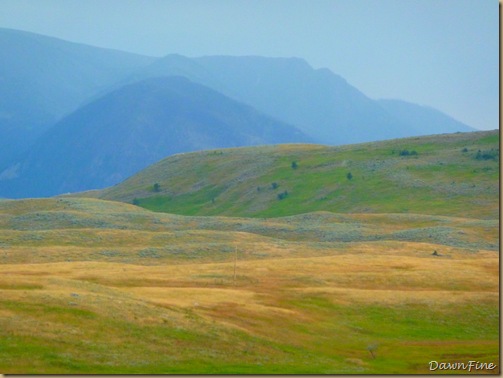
{"type": "Point", "coordinates": [441, 53]}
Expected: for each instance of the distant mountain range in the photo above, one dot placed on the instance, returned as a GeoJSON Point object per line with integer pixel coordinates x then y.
{"type": "Point", "coordinates": [75, 117]}
{"type": "Point", "coordinates": [119, 134]}
{"type": "Point", "coordinates": [319, 102]}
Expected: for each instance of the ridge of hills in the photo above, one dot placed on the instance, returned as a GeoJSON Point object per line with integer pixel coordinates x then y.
{"type": "Point", "coordinates": [451, 174]}
{"type": "Point", "coordinates": [68, 215]}
{"type": "Point", "coordinates": [124, 131]}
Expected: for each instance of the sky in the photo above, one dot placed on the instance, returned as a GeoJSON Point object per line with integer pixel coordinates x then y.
{"type": "Point", "coordinates": [438, 53]}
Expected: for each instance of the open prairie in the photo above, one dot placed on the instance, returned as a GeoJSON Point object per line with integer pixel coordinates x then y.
{"type": "Point", "coordinates": [94, 286]}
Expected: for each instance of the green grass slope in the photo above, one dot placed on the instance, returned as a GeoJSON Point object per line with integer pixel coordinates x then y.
{"type": "Point", "coordinates": [451, 174]}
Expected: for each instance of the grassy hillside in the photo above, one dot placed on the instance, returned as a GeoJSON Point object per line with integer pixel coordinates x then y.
{"type": "Point", "coordinates": [452, 175]}
{"type": "Point", "coordinates": [93, 286]}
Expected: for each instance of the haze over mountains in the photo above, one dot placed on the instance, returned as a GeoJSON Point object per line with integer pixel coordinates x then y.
{"type": "Point", "coordinates": [76, 117]}
{"type": "Point", "coordinates": [44, 78]}
{"type": "Point", "coordinates": [319, 102]}
{"type": "Point", "coordinates": [121, 133]}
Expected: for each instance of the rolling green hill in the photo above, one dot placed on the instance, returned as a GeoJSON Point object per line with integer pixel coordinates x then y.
{"type": "Point", "coordinates": [84, 229]}
{"type": "Point", "coordinates": [450, 174]}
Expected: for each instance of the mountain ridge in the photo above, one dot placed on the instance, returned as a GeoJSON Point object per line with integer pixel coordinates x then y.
{"type": "Point", "coordinates": [318, 101]}
{"type": "Point", "coordinates": [113, 137]}
{"type": "Point", "coordinates": [420, 118]}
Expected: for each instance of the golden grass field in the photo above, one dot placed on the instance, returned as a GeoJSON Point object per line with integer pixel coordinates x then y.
{"type": "Point", "coordinates": [172, 294]}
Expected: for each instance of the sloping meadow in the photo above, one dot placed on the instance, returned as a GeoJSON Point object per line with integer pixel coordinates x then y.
{"type": "Point", "coordinates": [451, 175]}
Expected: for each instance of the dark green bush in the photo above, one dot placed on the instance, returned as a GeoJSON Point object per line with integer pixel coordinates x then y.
{"type": "Point", "coordinates": [407, 153]}
{"type": "Point", "coordinates": [492, 154]}
{"type": "Point", "coordinates": [404, 153]}
{"type": "Point", "coordinates": [283, 195]}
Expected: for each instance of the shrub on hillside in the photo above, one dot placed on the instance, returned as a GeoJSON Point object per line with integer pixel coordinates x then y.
{"type": "Point", "coordinates": [283, 195]}
{"type": "Point", "coordinates": [407, 153]}
{"type": "Point", "coordinates": [150, 252]}
{"type": "Point", "coordinates": [492, 154]}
